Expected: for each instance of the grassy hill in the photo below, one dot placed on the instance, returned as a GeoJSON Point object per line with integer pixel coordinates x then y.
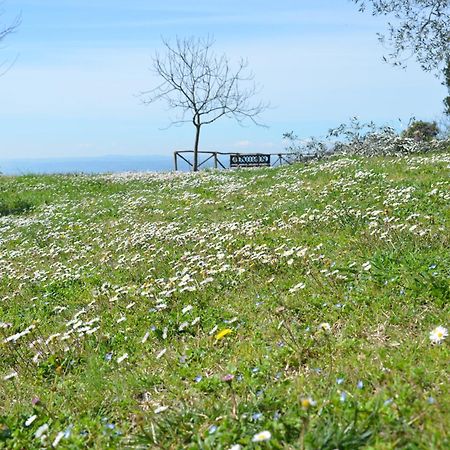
{"type": "Point", "coordinates": [198, 310]}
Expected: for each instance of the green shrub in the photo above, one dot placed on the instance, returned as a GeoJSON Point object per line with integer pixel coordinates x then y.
{"type": "Point", "coordinates": [421, 131]}
{"type": "Point", "coordinates": [14, 206]}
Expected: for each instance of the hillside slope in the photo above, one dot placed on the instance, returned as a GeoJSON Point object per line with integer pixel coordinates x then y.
{"type": "Point", "coordinates": [199, 310]}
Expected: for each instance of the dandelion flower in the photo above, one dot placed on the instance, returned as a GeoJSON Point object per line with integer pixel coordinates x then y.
{"type": "Point", "coordinates": [221, 334]}
{"type": "Point", "coordinates": [438, 335]}
{"type": "Point", "coordinates": [262, 436]}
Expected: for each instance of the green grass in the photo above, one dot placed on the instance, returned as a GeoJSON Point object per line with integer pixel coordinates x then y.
{"type": "Point", "coordinates": [93, 264]}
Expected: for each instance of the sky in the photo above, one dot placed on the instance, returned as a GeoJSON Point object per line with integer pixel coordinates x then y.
{"type": "Point", "coordinates": [76, 68]}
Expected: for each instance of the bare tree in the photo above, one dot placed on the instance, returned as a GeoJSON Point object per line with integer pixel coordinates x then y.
{"type": "Point", "coordinates": [420, 28]}
{"type": "Point", "coordinates": [203, 86]}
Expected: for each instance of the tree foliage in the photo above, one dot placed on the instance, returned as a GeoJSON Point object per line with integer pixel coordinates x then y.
{"type": "Point", "coordinates": [419, 28]}
{"type": "Point", "coordinates": [447, 83]}
{"type": "Point", "coordinates": [420, 131]}
{"type": "Point", "coordinates": [202, 86]}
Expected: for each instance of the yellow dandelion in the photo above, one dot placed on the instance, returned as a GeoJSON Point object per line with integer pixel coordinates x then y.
{"type": "Point", "coordinates": [221, 334]}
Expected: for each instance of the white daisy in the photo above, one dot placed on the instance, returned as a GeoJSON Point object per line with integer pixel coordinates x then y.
{"type": "Point", "coordinates": [262, 436]}
{"type": "Point", "coordinates": [30, 420]}
{"type": "Point", "coordinates": [438, 335]}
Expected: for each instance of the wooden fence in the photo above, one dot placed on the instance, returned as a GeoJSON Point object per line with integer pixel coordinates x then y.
{"type": "Point", "coordinates": [226, 160]}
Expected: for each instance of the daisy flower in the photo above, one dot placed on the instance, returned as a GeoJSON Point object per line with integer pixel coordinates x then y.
{"type": "Point", "coordinates": [325, 326]}
{"type": "Point", "coordinates": [262, 436]}
{"type": "Point", "coordinates": [438, 335]}
{"type": "Point", "coordinates": [307, 402]}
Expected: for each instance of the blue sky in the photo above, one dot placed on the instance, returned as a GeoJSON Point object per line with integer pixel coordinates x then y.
{"type": "Point", "coordinates": [81, 63]}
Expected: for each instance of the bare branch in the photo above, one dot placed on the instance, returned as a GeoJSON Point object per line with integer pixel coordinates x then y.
{"type": "Point", "coordinates": [9, 29]}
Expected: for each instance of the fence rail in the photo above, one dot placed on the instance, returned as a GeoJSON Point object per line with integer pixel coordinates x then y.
{"type": "Point", "coordinates": [234, 159]}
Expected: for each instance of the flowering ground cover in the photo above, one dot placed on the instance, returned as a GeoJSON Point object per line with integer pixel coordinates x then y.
{"type": "Point", "coordinates": [304, 307]}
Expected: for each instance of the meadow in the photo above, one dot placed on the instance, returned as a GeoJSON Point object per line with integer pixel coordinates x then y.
{"type": "Point", "coordinates": [302, 307]}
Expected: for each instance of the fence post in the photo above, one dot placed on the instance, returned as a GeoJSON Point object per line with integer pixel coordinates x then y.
{"type": "Point", "coordinates": [175, 154]}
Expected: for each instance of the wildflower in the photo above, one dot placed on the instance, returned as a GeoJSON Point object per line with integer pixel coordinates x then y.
{"type": "Point", "coordinates": [262, 436]}
{"type": "Point", "coordinates": [161, 409]}
{"type": "Point", "coordinates": [41, 431]}
{"type": "Point", "coordinates": [228, 378]}
{"type": "Point", "coordinates": [297, 287]}
{"type": "Point", "coordinates": [35, 401]}
{"type": "Point", "coordinates": [183, 326]}
{"type": "Point", "coordinates": [360, 384]}
{"type": "Point", "coordinates": [236, 447]}
{"type": "Point", "coordinates": [307, 402]}
{"type": "Point", "coordinates": [122, 358]}
{"type": "Point", "coordinates": [10, 376]}
{"type": "Point", "coordinates": [213, 330]}
{"type": "Point", "coordinates": [212, 429]}
{"type": "Point", "coordinates": [57, 439]}
{"type": "Point", "coordinates": [144, 339]}
{"type": "Point", "coordinates": [221, 334]}
{"type": "Point", "coordinates": [343, 396]}
{"type": "Point", "coordinates": [30, 420]}
{"type": "Point", "coordinates": [438, 335]}
{"type": "Point", "coordinates": [431, 400]}
{"type": "Point", "coordinates": [186, 309]}
{"type": "Point", "coordinates": [68, 431]}
{"type": "Point", "coordinates": [198, 378]}
{"type": "Point", "coordinates": [161, 353]}
{"type": "Point", "coordinates": [339, 380]}
{"type": "Point", "coordinates": [325, 326]}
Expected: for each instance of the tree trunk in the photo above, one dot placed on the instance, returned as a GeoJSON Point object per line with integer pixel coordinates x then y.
{"type": "Point", "coordinates": [197, 139]}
